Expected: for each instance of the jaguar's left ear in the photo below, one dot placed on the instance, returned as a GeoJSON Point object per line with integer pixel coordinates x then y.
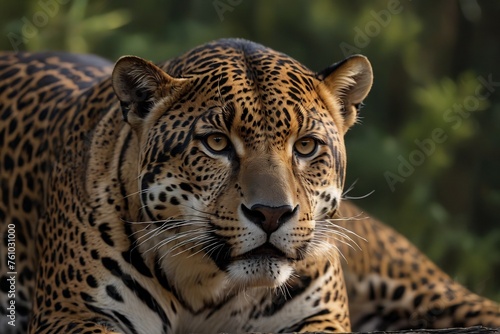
{"type": "Point", "coordinates": [140, 84]}
{"type": "Point", "coordinates": [347, 83]}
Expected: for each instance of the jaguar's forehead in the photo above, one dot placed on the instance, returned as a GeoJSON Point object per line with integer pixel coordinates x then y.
{"type": "Point", "coordinates": [238, 59]}
{"type": "Point", "coordinates": [264, 89]}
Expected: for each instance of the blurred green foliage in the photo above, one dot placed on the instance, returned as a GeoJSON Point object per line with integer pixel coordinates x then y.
{"type": "Point", "coordinates": [430, 59]}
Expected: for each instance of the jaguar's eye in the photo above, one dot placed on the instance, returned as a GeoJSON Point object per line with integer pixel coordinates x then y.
{"type": "Point", "coordinates": [217, 142]}
{"type": "Point", "coordinates": [305, 147]}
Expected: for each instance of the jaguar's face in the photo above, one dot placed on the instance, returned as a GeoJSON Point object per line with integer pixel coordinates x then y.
{"type": "Point", "coordinates": [266, 174]}
{"type": "Point", "coordinates": [242, 160]}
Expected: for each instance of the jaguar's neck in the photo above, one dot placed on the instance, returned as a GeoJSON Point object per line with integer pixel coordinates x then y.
{"type": "Point", "coordinates": [111, 181]}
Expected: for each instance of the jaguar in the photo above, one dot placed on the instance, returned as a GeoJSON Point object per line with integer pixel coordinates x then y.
{"type": "Point", "coordinates": [198, 195]}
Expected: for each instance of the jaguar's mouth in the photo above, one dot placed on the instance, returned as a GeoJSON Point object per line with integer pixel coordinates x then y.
{"type": "Point", "coordinates": [265, 265]}
{"type": "Point", "coordinates": [266, 250]}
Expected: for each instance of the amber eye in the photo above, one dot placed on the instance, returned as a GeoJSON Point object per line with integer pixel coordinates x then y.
{"type": "Point", "coordinates": [217, 142]}
{"type": "Point", "coordinates": [305, 147]}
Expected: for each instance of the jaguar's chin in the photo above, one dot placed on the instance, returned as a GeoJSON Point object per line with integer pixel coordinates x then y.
{"type": "Point", "coordinates": [260, 271]}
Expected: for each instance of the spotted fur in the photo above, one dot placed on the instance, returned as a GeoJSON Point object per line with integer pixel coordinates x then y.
{"type": "Point", "coordinates": [199, 195]}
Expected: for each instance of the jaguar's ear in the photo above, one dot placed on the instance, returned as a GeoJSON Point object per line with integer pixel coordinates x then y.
{"type": "Point", "coordinates": [347, 83]}
{"type": "Point", "coordinates": [140, 84]}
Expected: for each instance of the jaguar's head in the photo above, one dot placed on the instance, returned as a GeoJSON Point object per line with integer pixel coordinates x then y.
{"type": "Point", "coordinates": [241, 158]}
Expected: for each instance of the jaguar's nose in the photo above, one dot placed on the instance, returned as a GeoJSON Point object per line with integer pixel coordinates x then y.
{"type": "Point", "coordinates": [269, 218]}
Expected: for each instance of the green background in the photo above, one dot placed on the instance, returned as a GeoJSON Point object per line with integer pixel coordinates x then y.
{"type": "Point", "coordinates": [428, 115]}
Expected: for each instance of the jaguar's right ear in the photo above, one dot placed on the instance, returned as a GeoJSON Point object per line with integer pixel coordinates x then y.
{"type": "Point", "coordinates": [140, 84]}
